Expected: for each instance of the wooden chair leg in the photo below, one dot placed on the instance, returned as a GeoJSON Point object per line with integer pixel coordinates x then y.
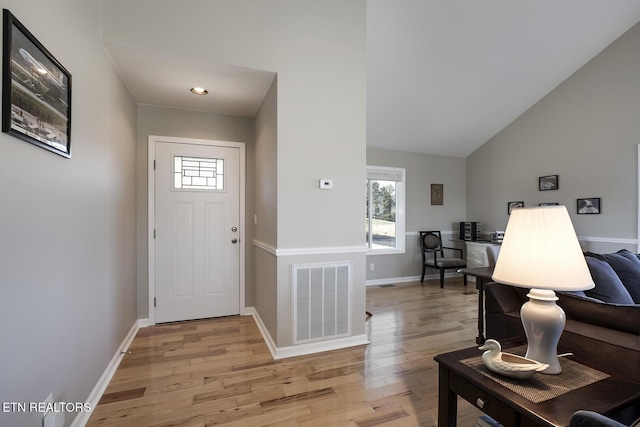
{"type": "Point", "coordinates": [465, 279]}
{"type": "Point", "coordinates": [424, 268]}
{"type": "Point", "coordinates": [442, 278]}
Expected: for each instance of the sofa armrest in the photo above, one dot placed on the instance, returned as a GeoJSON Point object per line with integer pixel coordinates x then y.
{"type": "Point", "coordinates": [502, 307]}
{"type": "Point", "coordinates": [592, 419]}
{"type": "Point", "coordinates": [503, 298]}
{"type": "Point", "coordinates": [620, 317]}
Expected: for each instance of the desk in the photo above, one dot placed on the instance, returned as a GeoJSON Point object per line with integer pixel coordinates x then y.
{"type": "Point", "coordinates": [482, 275]}
{"type": "Point", "coordinates": [607, 396]}
{"type": "Point", "coordinates": [477, 253]}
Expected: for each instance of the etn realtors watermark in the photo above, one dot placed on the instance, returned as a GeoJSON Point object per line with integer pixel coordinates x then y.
{"type": "Point", "coordinates": [44, 407]}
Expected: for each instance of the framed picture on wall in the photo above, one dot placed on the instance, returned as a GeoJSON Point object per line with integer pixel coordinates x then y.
{"type": "Point", "coordinates": [590, 205]}
{"type": "Point", "coordinates": [36, 91]}
{"type": "Point", "coordinates": [437, 194]}
{"type": "Point", "coordinates": [549, 182]}
{"type": "Point", "coordinates": [513, 205]}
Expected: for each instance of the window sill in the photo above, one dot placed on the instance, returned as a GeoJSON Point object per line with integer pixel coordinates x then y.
{"type": "Point", "coordinates": [389, 251]}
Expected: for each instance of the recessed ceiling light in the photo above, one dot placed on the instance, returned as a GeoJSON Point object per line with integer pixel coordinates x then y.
{"type": "Point", "coordinates": [199, 90]}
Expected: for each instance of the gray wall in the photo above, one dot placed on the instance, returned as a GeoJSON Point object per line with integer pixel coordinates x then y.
{"type": "Point", "coordinates": [422, 170]}
{"type": "Point", "coordinates": [586, 131]}
{"type": "Point", "coordinates": [67, 226]}
{"type": "Point", "coordinates": [318, 50]}
{"type": "Point", "coordinates": [266, 200]}
{"type": "Point", "coordinates": [153, 120]}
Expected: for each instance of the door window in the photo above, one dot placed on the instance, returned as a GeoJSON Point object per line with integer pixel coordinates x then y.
{"type": "Point", "coordinates": [198, 173]}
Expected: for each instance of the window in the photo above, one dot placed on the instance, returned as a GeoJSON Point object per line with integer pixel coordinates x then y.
{"type": "Point", "coordinates": [384, 214]}
{"type": "Point", "coordinates": [198, 173]}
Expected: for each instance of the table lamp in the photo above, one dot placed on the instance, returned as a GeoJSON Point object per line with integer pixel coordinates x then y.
{"type": "Point", "coordinates": [540, 251]}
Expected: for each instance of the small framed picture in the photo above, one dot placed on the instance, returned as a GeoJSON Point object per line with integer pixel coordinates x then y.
{"type": "Point", "coordinates": [590, 205]}
{"type": "Point", "coordinates": [513, 205]}
{"type": "Point", "coordinates": [437, 194]}
{"type": "Point", "coordinates": [549, 182]}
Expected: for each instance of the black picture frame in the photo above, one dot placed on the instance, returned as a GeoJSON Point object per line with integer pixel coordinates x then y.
{"type": "Point", "coordinates": [437, 194]}
{"type": "Point", "coordinates": [589, 206]}
{"type": "Point", "coordinates": [512, 205]}
{"type": "Point", "coordinates": [549, 182]}
{"type": "Point", "coordinates": [36, 91]}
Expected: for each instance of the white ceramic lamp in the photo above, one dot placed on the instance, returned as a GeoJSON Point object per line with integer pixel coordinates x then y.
{"type": "Point", "coordinates": [540, 251]}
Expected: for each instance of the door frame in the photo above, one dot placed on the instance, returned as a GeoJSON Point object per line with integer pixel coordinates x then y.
{"type": "Point", "coordinates": [151, 251]}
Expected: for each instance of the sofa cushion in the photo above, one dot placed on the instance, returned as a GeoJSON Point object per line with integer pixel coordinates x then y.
{"type": "Point", "coordinates": [621, 317]}
{"type": "Point", "coordinates": [609, 287]}
{"type": "Point", "coordinates": [627, 267]}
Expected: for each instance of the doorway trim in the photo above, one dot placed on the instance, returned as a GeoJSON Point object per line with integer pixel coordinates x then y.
{"type": "Point", "coordinates": [151, 249]}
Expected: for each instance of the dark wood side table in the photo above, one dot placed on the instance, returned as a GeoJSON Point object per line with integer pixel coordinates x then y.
{"type": "Point", "coordinates": [483, 276]}
{"type": "Point", "coordinates": [607, 396]}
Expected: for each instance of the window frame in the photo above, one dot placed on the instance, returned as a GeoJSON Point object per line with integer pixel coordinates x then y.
{"type": "Point", "coordinates": [399, 176]}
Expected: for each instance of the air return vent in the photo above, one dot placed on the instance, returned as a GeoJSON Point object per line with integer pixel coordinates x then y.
{"type": "Point", "coordinates": [322, 301]}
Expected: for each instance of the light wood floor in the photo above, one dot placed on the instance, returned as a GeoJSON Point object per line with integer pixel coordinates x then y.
{"type": "Point", "coordinates": [220, 372]}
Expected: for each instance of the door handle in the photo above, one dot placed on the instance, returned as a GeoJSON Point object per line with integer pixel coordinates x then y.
{"type": "Point", "coordinates": [234, 240]}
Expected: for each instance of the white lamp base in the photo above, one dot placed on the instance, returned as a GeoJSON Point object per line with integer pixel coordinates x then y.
{"type": "Point", "coordinates": [543, 323]}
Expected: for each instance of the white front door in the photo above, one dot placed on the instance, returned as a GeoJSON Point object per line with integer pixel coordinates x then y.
{"type": "Point", "coordinates": [197, 220]}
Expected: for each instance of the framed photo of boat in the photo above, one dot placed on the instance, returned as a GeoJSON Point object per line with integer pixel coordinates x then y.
{"type": "Point", "coordinates": [36, 91]}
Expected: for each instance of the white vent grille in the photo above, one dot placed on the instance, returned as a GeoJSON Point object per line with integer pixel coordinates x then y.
{"type": "Point", "coordinates": [321, 301]}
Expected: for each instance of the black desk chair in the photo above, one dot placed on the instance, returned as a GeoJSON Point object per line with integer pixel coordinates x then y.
{"type": "Point", "coordinates": [433, 255]}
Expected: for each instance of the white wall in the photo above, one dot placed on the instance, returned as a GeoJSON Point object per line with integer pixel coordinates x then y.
{"type": "Point", "coordinates": [586, 131]}
{"type": "Point", "coordinates": [67, 226]}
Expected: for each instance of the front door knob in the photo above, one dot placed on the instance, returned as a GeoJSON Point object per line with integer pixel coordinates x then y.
{"type": "Point", "coordinates": [234, 240]}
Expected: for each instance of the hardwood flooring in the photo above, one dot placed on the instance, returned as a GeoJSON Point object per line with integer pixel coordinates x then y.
{"type": "Point", "coordinates": [220, 372]}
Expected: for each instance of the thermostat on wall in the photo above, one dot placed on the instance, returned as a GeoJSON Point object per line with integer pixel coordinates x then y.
{"type": "Point", "coordinates": [326, 184]}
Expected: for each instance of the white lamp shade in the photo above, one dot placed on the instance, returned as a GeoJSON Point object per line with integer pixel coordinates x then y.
{"type": "Point", "coordinates": [540, 250]}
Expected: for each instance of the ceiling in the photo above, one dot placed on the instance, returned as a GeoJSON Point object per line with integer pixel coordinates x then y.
{"type": "Point", "coordinates": [443, 76]}
{"type": "Point", "coordinates": [158, 79]}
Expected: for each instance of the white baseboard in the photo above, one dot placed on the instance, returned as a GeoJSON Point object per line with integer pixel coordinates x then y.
{"type": "Point", "coordinates": [302, 349]}
{"type": "Point", "coordinates": [144, 323]}
{"type": "Point", "coordinates": [406, 279]}
{"type": "Point", "coordinates": [320, 346]}
{"type": "Point", "coordinates": [251, 311]}
{"type": "Point", "coordinates": [98, 390]}
{"type": "Point", "coordinates": [392, 280]}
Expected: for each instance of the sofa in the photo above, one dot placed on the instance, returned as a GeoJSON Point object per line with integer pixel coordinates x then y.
{"type": "Point", "coordinates": [603, 324]}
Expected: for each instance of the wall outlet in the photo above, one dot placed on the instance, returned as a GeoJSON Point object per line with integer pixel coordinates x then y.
{"type": "Point", "coordinates": [372, 267]}
{"type": "Point", "coordinates": [53, 419]}
{"type": "Point", "coordinates": [255, 219]}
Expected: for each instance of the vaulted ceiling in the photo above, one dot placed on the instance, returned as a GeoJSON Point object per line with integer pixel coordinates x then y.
{"type": "Point", "coordinates": [443, 76]}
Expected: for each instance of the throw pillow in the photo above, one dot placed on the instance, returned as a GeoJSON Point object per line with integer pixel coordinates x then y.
{"type": "Point", "coordinates": [609, 287]}
{"type": "Point", "coordinates": [627, 267]}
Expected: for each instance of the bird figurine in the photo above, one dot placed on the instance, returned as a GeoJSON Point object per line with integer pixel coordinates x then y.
{"type": "Point", "coordinates": [508, 364]}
